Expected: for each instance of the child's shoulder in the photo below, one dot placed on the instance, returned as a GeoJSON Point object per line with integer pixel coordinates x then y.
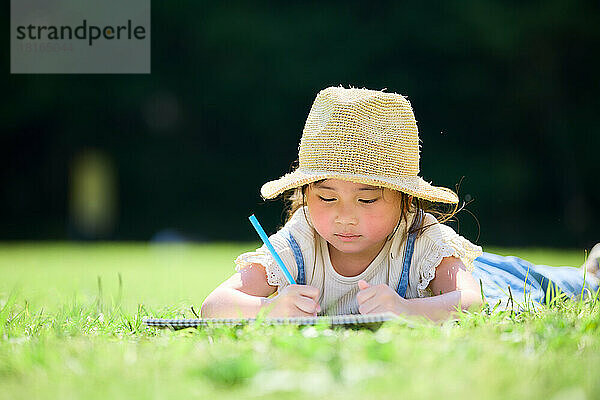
{"type": "Point", "coordinates": [299, 226]}
{"type": "Point", "coordinates": [434, 230]}
{"type": "Point", "coordinates": [300, 216]}
{"type": "Point", "coordinates": [443, 241]}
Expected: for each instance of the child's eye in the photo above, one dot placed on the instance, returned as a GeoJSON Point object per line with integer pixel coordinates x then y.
{"type": "Point", "coordinates": [324, 199]}
{"type": "Point", "coordinates": [368, 201]}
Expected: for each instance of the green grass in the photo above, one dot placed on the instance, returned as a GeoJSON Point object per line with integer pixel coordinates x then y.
{"type": "Point", "coordinates": [70, 328]}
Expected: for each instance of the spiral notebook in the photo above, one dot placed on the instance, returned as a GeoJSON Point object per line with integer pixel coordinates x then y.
{"type": "Point", "coordinates": [370, 321]}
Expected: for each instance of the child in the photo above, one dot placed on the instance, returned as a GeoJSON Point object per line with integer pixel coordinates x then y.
{"type": "Point", "coordinates": [361, 237]}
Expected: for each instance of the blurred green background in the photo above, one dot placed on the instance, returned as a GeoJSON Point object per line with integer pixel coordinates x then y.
{"type": "Point", "coordinates": [505, 95]}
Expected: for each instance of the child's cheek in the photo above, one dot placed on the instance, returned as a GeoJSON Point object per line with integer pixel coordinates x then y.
{"type": "Point", "coordinates": [381, 222]}
{"type": "Point", "coordinates": [377, 230]}
{"type": "Point", "coordinates": [319, 218]}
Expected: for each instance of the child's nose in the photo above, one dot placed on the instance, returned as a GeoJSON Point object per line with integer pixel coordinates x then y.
{"type": "Point", "coordinates": [346, 215]}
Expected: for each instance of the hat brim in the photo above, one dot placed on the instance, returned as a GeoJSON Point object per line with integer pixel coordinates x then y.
{"type": "Point", "coordinates": [412, 185]}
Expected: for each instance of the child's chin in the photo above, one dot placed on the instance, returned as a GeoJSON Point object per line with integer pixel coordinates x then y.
{"type": "Point", "coordinates": [349, 247]}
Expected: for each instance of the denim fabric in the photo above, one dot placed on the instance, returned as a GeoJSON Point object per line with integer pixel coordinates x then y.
{"type": "Point", "coordinates": [301, 279]}
{"type": "Point", "coordinates": [408, 253]}
{"type": "Point", "coordinates": [527, 281]}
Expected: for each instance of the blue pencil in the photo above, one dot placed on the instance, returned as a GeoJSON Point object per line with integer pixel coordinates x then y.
{"type": "Point", "coordinates": [267, 243]}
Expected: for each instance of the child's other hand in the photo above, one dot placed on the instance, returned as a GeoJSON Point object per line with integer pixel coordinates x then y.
{"type": "Point", "coordinates": [295, 301]}
{"type": "Point", "coordinates": [376, 299]}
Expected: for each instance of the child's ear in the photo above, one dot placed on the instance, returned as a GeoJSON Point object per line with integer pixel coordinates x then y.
{"type": "Point", "coordinates": [409, 200]}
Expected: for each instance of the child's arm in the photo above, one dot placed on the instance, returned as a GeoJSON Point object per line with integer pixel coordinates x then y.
{"type": "Point", "coordinates": [242, 295]}
{"type": "Point", "coordinates": [455, 285]}
{"type": "Point", "coordinates": [245, 293]}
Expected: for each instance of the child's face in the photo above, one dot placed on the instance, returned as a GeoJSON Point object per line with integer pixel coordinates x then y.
{"type": "Point", "coordinates": [353, 217]}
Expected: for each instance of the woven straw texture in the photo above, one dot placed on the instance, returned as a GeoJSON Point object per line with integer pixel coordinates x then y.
{"type": "Point", "coordinates": [364, 136]}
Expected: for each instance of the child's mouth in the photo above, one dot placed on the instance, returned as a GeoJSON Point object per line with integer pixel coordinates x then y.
{"type": "Point", "coordinates": [347, 238]}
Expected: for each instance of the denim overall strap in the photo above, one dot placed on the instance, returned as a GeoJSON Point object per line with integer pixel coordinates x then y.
{"type": "Point", "coordinates": [301, 279]}
{"type": "Point", "coordinates": [408, 252]}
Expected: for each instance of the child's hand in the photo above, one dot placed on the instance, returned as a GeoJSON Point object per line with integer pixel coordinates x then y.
{"type": "Point", "coordinates": [295, 301]}
{"type": "Point", "coordinates": [379, 299]}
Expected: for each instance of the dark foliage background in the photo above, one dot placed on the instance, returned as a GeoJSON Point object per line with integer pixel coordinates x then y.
{"type": "Point", "coordinates": [505, 93]}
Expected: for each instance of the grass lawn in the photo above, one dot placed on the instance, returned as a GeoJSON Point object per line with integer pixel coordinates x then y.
{"type": "Point", "coordinates": [70, 328]}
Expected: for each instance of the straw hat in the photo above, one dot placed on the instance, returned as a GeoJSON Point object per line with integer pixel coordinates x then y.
{"type": "Point", "coordinates": [364, 136]}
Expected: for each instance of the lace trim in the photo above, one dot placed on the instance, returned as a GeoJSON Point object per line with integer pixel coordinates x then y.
{"type": "Point", "coordinates": [456, 246]}
{"type": "Point", "coordinates": [274, 275]}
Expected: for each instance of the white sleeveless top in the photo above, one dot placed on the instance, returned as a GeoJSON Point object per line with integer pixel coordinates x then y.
{"type": "Point", "coordinates": [338, 292]}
